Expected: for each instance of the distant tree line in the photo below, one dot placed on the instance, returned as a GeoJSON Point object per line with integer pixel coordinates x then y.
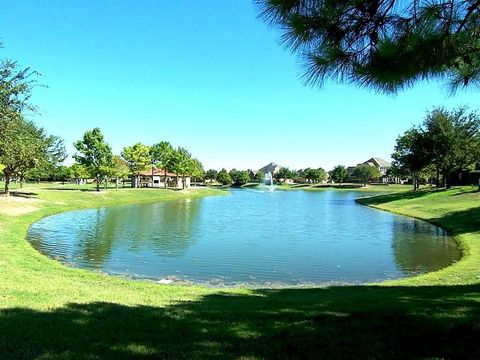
{"type": "Point", "coordinates": [95, 156]}
{"type": "Point", "coordinates": [95, 160]}
{"type": "Point", "coordinates": [242, 177]}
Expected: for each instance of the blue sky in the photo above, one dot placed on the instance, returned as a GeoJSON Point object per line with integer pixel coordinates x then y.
{"type": "Point", "coordinates": [207, 75]}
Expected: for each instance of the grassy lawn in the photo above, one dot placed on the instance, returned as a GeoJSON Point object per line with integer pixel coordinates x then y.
{"type": "Point", "coordinates": [50, 311]}
{"type": "Point", "coordinates": [387, 188]}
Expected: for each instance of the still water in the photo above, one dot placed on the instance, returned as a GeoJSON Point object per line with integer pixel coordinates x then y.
{"type": "Point", "coordinates": [248, 238]}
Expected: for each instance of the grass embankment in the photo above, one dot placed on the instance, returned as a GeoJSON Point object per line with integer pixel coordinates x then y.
{"type": "Point", "coordinates": [388, 188]}
{"type": "Point", "coordinates": [456, 210]}
{"type": "Point", "coordinates": [51, 311]}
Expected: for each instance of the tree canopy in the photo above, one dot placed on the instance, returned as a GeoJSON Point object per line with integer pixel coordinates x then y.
{"type": "Point", "coordinates": [285, 174]}
{"type": "Point", "coordinates": [119, 169]}
{"type": "Point", "coordinates": [366, 172]}
{"type": "Point", "coordinates": [240, 178]}
{"type": "Point", "coordinates": [162, 155]}
{"type": "Point", "coordinates": [224, 178]}
{"type": "Point", "coordinates": [95, 154]}
{"type": "Point", "coordinates": [260, 176]}
{"type": "Point", "coordinates": [315, 175]}
{"type": "Point", "coordinates": [211, 174]}
{"type": "Point", "coordinates": [25, 146]}
{"type": "Point", "coordinates": [15, 88]}
{"type": "Point", "coordinates": [386, 44]}
{"type": "Point", "coordinates": [339, 174]}
{"type": "Point", "coordinates": [447, 140]}
{"type": "Point", "coordinates": [137, 156]}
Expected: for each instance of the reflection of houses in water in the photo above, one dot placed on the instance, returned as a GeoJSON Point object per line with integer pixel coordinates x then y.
{"type": "Point", "coordinates": [157, 179]}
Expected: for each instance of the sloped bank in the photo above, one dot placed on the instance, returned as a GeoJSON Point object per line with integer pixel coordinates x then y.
{"type": "Point", "coordinates": [457, 211]}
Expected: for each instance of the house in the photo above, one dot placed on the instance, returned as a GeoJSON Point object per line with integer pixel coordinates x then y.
{"type": "Point", "coordinates": [380, 164]}
{"type": "Point", "coordinates": [350, 171]}
{"type": "Point", "coordinates": [157, 179]}
{"type": "Point", "coordinates": [270, 168]}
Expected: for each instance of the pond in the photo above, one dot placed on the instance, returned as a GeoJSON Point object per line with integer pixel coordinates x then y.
{"type": "Point", "coordinates": [251, 237]}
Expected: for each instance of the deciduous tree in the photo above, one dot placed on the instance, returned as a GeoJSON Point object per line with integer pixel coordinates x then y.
{"type": "Point", "coordinates": [79, 173]}
{"type": "Point", "coordinates": [119, 170]}
{"type": "Point", "coordinates": [339, 174]}
{"type": "Point", "coordinates": [138, 157]}
{"type": "Point", "coordinates": [260, 176]}
{"type": "Point", "coordinates": [211, 174]}
{"type": "Point", "coordinates": [95, 154]}
{"type": "Point", "coordinates": [366, 173]}
{"type": "Point", "coordinates": [196, 170]}
{"type": "Point", "coordinates": [454, 140]}
{"type": "Point", "coordinates": [24, 146]}
{"type": "Point", "coordinates": [182, 163]}
{"type": "Point", "coordinates": [162, 156]}
{"type": "Point", "coordinates": [240, 178]}
{"type": "Point", "coordinates": [224, 178]}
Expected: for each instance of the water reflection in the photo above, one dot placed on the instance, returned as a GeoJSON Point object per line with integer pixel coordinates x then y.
{"type": "Point", "coordinates": [429, 250]}
{"type": "Point", "coordinates": [92, 237]}
{"type": "Point", "coordinates": [250, 237]}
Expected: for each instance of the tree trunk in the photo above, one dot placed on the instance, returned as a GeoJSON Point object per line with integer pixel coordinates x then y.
{"type": "Point", "coordinates": [448, 180]}
{"type": "Point", "coordinates": [22, 179]}
{"type": "Point", "coordinates": [165, 178]}
{"type": "Point", "coordinates": [116, 183]}
{"type": "Point", "coordinates": [7, 184]}
{"type": "Point", "coordinates": [183, 182]}
{"type": "Point", "coordinates": [98, 183]}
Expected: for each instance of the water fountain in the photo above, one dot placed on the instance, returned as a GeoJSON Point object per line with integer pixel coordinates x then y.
{"type": "Point", "coordinates": [270, 176]}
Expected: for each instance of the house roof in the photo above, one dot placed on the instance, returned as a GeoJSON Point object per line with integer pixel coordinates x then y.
{"type": "Point", "coordinates": [272, 167]}
{"type": "Point", "coordinates": [379, 162]}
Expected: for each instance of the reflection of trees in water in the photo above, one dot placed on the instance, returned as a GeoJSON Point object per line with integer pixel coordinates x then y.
{"type": "Point", "coordinates": [420, 247]}
{"type": "Point", "coordinates": [96, 243]}
{"type": "Point", "coordinates": [165, 228]}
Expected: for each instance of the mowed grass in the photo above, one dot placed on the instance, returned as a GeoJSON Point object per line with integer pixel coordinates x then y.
{"type": "Point", "coordinates": [49, 311]}
{"type": "Point", "coordinates": [387, 188]}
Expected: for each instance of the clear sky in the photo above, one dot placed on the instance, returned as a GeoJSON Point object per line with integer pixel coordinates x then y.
{"type": "Point", "coordinates": [207, 75]}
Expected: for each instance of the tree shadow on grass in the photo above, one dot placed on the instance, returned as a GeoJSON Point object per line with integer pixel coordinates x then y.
{"type": "Point", "coordinates": [21, 194]}
{"type": "Point", "coordinates": [337, 322]}
{"type": "Point", "coordinates": [387, 198]}
{"type": "Point", "coordinates": [70, 189]}
{"type": "Point", "coordinates": [461, 222]}
{"type": "Point", "coordinates": [458, 222]}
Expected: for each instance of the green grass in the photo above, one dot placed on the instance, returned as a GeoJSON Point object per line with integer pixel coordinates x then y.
{"type": "Point", "coordinates": [387, 188]}
{"type": "Point", "coordinates": [49, 311]}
